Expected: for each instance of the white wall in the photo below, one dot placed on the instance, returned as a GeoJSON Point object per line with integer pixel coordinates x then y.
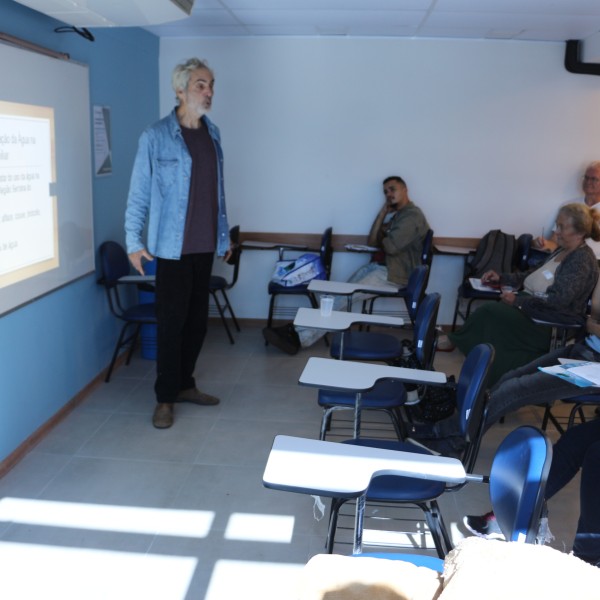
{"type": "Point", "coordinates": [488, 134]}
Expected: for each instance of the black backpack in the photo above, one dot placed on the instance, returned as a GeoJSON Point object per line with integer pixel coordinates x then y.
{"type": "Point", "coordinates": [496, 251]}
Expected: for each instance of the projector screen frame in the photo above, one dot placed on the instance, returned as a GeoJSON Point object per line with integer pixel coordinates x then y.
{"type": "Point", "coordinates": [62, 85]}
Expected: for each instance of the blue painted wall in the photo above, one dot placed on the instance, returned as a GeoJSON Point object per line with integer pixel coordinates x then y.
{"type": "Point", "coordinates": [53, 347]}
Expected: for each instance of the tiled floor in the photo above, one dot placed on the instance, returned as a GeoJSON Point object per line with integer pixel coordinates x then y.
{"type": "Point", "coordinates": [108, 507]}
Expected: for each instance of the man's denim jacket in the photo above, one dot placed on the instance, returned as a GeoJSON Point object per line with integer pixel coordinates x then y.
{"type": "Point", "coordinates": [159, 190]}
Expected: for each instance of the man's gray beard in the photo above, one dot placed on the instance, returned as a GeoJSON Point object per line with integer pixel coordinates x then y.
{"type": "Point", "coordinates": [201, 111]}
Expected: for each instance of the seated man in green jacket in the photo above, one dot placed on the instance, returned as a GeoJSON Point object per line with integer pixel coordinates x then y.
{"type": "Point", "coordinates": [399, 230]}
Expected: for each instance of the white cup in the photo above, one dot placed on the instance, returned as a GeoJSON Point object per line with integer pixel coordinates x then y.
{"type": "Point", "coordinates": [326, 305]}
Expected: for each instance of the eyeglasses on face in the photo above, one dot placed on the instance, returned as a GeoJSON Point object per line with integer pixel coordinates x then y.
{"type": "Point", "coordinates": [591, 179]}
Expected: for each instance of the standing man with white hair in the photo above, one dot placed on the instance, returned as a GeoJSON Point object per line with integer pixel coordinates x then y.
{"type": "Point", "coordinates": [177, 190]}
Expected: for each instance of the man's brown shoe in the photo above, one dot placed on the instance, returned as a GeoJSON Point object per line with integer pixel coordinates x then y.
{"type": "Point", "coordinates": [195, 396]}
{"type": "Point", "coordinates": [163, 415]}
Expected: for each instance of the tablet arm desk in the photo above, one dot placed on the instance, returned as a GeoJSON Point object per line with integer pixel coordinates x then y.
{"type": "Point", "coordinates": [338, 470]}
{"type": "Point", "coordinates": [358, 377]}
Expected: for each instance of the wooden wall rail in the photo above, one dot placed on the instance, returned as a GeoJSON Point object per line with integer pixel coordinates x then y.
{"type": "Point", "coordinates": [313, 240]}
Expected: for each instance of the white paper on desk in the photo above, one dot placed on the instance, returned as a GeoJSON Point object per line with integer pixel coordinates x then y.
{"type": "Point", "coordinates": [360, 248]}
{"type": "Point", "coordinates": [589, 371]}
{"type": "Point", "coordinates": [582, 374]}
{"type": "Point", "coordinates": [571, 361]}
{"type": "Point", "coordinates": [481, 287]}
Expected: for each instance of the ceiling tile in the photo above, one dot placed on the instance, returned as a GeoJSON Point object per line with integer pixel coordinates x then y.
{"type": "Point", "coordinates": [541, 7]}
{"type": "Point", "coordinates": [534, 20]}
{"type": "Point", "coordinates": [338, 5]}
{"type": "Point", "coordinates": [328, 18]}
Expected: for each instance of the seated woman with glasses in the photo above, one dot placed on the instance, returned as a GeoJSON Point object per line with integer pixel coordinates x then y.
{"type": "Point", "coordinates": [560, 288]}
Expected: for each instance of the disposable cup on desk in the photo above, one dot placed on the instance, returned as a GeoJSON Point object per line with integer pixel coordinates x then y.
{"type": "Point", "coordinates": [326, 305]}
{"type": "Point", "coordinates": [507, 289]}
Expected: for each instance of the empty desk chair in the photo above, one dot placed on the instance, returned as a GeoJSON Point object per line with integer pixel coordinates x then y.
{"type": "Point", "coordinates": [393, 489]}
{"type": "Point", "coordinates": [517, 484]}
{"type": "Point", "coordinates": [366, 345]}
{"type": "Point", "coordinates": [114, 264]}
{"type": "Point", "coordinates": [276, 289]}
{"type": "Point", "coordinates": [412, 294]}
{"type": "Point", "coordinates": [389, 396]}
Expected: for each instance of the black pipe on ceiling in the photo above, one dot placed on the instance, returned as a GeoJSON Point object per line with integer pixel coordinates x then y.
{"type": "Point", "coordinates": [573, 63]}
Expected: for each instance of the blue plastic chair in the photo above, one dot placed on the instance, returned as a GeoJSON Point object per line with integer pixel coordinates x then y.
{"type": "Point", "coordinates": [427, 250]}
{"type": "Point", "coordinates": [517, 485]}
{"type": "Point", "coordinates": [412, 294]}
{"type": "Point", "coordinates": [275, 289]}
{"type": "Point", "coordinates": [371, 346]}
{"type": "Point", "coordinates": [114, 264]}
{"type": "Point", "coordinates": [470, 397]}
{"type": "Point", "coordinates": [518, 481]}
{"type": "Point", "coordinates": [389, 395]}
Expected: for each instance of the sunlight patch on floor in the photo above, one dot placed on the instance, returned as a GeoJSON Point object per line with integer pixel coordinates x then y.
{"type": "Point", "coordinates": [260, 528]}
{"type": "Point", "coordinates": [53, 573]}
{"type": "Point", "coordinates": [130, 519]}
{"type": "Point", "coordinates": [247, 579]}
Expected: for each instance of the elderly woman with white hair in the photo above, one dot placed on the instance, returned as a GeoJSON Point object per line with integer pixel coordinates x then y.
{"type": "Point", "coordinates": [560, 287]}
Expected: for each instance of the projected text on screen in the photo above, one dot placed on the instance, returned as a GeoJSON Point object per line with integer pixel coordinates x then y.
{"type": "Point", "coordinates": [28, 207]}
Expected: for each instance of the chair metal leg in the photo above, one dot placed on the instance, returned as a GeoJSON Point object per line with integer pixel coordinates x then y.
{"type": "Point", "coordinates": [133, 341]}
{"type": "Point", "coordinates": [120, 343]}
{"type": "Point", "coordinates": [222, 314]}
{"type": "Point", "coordinates": [456, 312]}
{"type": "Point", "coordinates": [112, 362]}
{"type": "Point", "coordinates": [449, 546]}
{"type": "Point", "coordinates": [432, 518]}
{"type": "Point", "coordinates": [394, 414]}
{"type": "Point", "coordinates": [468, 311]}
{"type": "Point", "coordinates": [325, 422]}
{"type": "Point", "coordinates": [398, 422]}
{"type": "Point", "coordinates": [548, 416]}
{"type": "Point", "coordinates": [271, 310]}
{"type": "Point", "coordinates": [230, 309]}
{"type": "Point", "coordinates": [577, 409]}
{"type": "Point", "coordinates": [334, 509]}
{"type": "Point", "coordinates": [359, 522]}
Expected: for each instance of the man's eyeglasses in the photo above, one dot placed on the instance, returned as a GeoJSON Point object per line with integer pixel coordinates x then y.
{"type": "Point", "coordinates": [591, 179]}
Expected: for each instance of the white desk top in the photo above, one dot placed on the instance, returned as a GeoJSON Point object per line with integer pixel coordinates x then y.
{"type": "Point", "coordinates": [257, 245]}
{"type": "Point", "coordinates": [447, 249]}
{"type": "Point", "coordinates": [138, 279]}
{"type": "Point", "coordinates": [345, 471]}
{"type": "Point", "coordinates": [361, 248]}
{"type": "Point", "coordinates": [343, 288]}
{"type": "Point", "coordinates": [327, 373]}
{"type": "Point", "coordinates": [341, 320]}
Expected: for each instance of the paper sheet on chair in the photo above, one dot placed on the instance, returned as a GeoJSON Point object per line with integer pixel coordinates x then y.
{"type": "Point", "coordinates": [581, 374]}
{"type": "Point", "coordinates": [360, 248]}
